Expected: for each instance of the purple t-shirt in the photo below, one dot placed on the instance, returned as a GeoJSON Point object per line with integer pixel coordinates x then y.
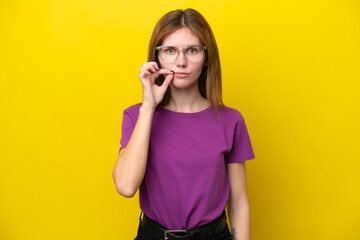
{"type": "Point", "coordinates": [186, 182]}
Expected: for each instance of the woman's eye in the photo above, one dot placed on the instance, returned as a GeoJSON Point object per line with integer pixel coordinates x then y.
{"type": "Point", "coordinates": [192, 51]}
{"type": "Point", "coordinates": [170, 51]}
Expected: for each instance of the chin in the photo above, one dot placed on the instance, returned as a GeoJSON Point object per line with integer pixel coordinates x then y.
{"type": "Point", "coordinates": [182, 83]}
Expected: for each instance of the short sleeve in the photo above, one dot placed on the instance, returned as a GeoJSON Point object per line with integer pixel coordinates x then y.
{"type": "Point", "coordinates": [127, 128]}
{"type": "Point", "coordinates": [241, 148]}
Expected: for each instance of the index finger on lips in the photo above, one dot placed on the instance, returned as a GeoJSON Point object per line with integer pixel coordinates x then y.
{"type": "Point", "coordinates": [162, 71]}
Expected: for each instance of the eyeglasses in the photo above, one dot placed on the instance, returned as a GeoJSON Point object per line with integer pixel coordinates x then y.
{"type": "Point", "coordinates": [169, 54]}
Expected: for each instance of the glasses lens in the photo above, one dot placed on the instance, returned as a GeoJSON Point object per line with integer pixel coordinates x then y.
{"type": "Point", "coordinates": [194, 53]}
{"type": "Point", "coordinates": [169, 54]}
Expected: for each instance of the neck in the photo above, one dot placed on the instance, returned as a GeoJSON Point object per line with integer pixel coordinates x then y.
{"type": "Point", "coordinates": [186, 100]}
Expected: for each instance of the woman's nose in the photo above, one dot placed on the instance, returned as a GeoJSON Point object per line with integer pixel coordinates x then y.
{"type": "Point", "coordinates": [181, 60]}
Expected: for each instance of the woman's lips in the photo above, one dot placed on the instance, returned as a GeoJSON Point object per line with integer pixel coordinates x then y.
{"type": "Point", "coordinates": [181, 74]}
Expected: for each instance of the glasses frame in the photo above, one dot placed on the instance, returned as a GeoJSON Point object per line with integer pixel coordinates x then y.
{"type": "Point", "coordinates": [183, 51]}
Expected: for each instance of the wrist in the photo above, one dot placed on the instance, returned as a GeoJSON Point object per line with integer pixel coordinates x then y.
{"type": "Point", "coordinates": [146, 108]}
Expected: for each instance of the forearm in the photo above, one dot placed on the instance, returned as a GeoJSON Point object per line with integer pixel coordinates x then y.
{"type": "Point", "coordinates": [239, 216]}
{"type": "Point", "coordinates": [130, 167]}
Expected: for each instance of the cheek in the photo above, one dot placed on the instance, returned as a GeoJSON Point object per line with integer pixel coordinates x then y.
{"type": "Point", "coordinates": [200, 67]}
{"type": "Point", "coordinates": [198, 72]}
{"type": "Point", "coordinates": [164, 65]}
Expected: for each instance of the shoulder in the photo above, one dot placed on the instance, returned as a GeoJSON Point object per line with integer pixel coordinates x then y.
{"type": "Point", "coordinates": [231, 113]}
{"type": "Point", "coordinates": [132, 111]}
{"type": "Point", "coordinates": [133, 108]}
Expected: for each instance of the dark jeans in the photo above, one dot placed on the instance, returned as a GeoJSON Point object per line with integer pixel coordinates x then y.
{"type": "Point", "coordinates": [142, 234]}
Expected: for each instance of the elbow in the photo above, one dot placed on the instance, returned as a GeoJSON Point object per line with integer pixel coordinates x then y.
{"type": "Point", "coordinates": [126, 190]}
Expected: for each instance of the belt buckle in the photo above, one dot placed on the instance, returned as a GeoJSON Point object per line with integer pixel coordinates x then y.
{"type": "Point", "coordinates": [169, 231]}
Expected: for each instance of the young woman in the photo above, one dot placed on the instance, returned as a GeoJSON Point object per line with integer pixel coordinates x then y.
{"type": "Point", "coordinates": [182, 147]}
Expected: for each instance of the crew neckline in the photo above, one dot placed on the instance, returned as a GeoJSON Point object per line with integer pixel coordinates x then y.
{"type": "Point", "coordinates": [185, 114]}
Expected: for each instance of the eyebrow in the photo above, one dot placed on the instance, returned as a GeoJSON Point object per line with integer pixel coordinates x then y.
{"type": "Point", "coordinates": [189, 45]}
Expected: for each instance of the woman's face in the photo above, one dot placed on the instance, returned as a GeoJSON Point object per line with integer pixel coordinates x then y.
{"type": "Point", "coordinates": [183, 38]}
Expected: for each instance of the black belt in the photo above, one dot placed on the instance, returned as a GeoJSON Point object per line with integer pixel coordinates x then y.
{"type": "Point", "coordinates": [203, 232]}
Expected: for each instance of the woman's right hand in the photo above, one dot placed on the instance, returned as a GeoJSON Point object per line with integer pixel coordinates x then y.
{"type": "Point", "coordinates": [152, 93]}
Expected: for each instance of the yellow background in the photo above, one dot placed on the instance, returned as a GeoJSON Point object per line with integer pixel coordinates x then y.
{"type": "Point", "coordinates": [69, 68]}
